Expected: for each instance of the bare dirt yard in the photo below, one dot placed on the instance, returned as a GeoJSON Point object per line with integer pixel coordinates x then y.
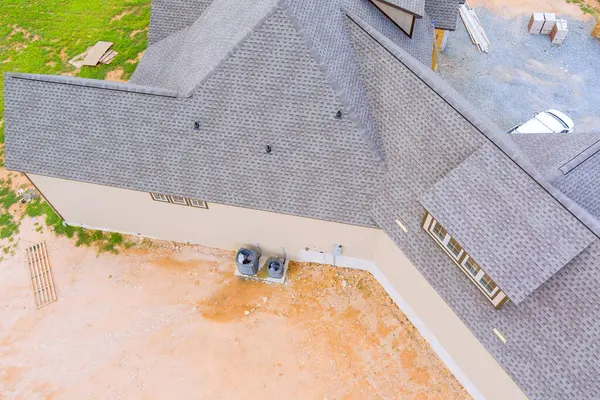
{"type": "Point", "coordinates": [154, 322]}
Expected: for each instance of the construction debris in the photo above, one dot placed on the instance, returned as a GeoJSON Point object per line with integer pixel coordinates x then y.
{"type": "Point", "coordinates": [27, 196]}
{"type": "Point", "coordinates": [42, 282]}
{"type": "Point", "coordinates": [559, 32]}
{"type": "Point", "coordinates": [98, 53]}
{"type": "Point", "coordinates": [474, 28]}
{"type": "Point", "coordinates": [536, 22]}
{"type": "Point", "coordinates": [547, 24]}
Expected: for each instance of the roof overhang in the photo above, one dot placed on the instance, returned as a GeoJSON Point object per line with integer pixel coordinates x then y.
{"type": "Point", "coordinates": [519, 234]}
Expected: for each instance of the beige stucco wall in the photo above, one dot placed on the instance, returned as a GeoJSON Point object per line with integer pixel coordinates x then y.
{"type": "Point", "coordinates": [227, 227]}
{"type": "Point", "coordinates": [419, 300]}
{"type": "Point", "coordinates": [134, 212]}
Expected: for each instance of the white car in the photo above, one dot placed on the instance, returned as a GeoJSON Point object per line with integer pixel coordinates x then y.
{"type": "Point", "coordinates": [549, 121]}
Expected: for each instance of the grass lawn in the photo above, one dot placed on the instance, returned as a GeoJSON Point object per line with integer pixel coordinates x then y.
{"type": "Point", "coordinates": [40, 36]}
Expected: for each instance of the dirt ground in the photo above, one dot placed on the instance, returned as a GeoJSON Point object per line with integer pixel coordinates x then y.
{"type": "Point", "coordinates": [514, 8]}
{"type": "Point", "coordinates": [161, 323]}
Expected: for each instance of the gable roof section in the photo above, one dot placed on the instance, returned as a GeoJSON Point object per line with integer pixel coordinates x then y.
{"type": "Point", "coordinates": [551, 350]}
{"type": "Point", "coordinates": [183, 61]}
{"type": "Point", "coordinates": [415, 7]}
{"type": "Point", "coordinates": [519, 234]}
{"type": "Point", "coordinates": [169, 16]}
{"type": "Point", "coordinates": [269, 91]}
{"type": "Point", "coordinates": [443, 12]}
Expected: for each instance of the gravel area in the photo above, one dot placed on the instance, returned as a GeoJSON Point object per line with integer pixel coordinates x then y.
{"type": "Point", "coordinates": [523, 74]}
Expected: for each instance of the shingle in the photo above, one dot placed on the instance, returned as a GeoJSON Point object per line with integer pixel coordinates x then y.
{"type": "Point", "coordinates": [519, 234]}
{"type": "Point", "coordinates": [553, 348]}
{"type": "Point", "coordinates": [185, 60]}
{"type": "Point", "coordinates": [550, 151]}
{"type": "Point", "coordinates": [169, 16]}
{"type": "Point", "coordinates": [416, 7]}
{"type": "Point", "coordinates": [270, 91]}
{"type": "Point", "coordinates": [443, 12]}
{"type": "Point", "coordinates": [582, 184]}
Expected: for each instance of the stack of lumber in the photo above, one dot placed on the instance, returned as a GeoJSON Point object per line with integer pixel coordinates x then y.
{"type": "Point", "coordinates": [474, 28]}
{"type": "Point", "coordinates": [98, 53]}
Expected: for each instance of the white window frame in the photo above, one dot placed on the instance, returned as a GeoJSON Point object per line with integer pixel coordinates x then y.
{"type": "Point", "coordinates": [497, 297]}
{"type": "Point", "coordinates": [445, 242]}
{"type": "Point", "coordinates": [198, 203]}
{"type": "Point", "coordinates": [159, 197]}
{"type": "Point", "coordinates": [464, 264]}
{"type": "Point", "coordinates": [182, 202]}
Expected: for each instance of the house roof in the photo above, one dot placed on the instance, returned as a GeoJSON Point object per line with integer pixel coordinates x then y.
{"type": "Point", "coordinates": [551, 334]}
{"type": "Point", "coordinates": [506, 221]}
{"type": "Point", "coordinates": [570, 162]}
{"type": "Point", "coordinates": [405, 137]}
{"type": "Point", "coordinates": [443, 12]}
{"type": "Point", "coordinates": [415, 7]}
{"type": "Point", "coordinates": [271, 91]}
{"type": "Point", "coordinates": [170, 16]}
{"type": "Point", "coordinates": [184, 60]}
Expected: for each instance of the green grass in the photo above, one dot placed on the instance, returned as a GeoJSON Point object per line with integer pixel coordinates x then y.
{"type": "Point", "coordinates": [41, 36]}
{"type": "Point", "coordinates": [110, 242]}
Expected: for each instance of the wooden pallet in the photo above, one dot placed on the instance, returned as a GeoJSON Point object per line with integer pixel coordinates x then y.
{"type": "Point", "coordinates": [41, 276]}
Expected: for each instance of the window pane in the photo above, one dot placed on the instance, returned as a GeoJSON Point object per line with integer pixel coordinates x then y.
{"type": "Point", "coordinates": [472, 266]}
{"type": "Point", "coordinates": [487, 283]}
{"type": "Point", "coordinates": [454, 247]}
{"type": "Point", "coordinates": [439, 231]}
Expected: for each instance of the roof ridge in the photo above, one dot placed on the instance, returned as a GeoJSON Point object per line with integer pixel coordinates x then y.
{"type": "Point", "coordinates": [339, 92]}
{"type": "Point", "coordinates": [580, 157]}
{"type": "Point", "coordinates": [483, 124]}
{"type": "Point", "coordinates": [94, 83]}
{"type": "Point", "coordinates": [239, 44]}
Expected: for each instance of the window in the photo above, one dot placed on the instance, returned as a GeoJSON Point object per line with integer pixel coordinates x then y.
{"type": "Point", "coordinates": [159, 197]}
{"type": "Point", "coordinates": [487, 283]}
{"type": "Point", "coordinates": [178, 200]}
{"type": "Point", "coordinates": [198, 203]}
{"type": "Point", "coordinates": [439, 231]}
{"type": "Point", "coordinates": [463, 260]}
{"type": "Point", "coordinates": [184, 201]}
{"type": "Point", "coordinates": [471, 266]}
{"type": "Point", "coordinates": [454, 247]}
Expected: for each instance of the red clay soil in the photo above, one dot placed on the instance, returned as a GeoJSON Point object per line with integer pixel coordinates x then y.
{"type": "Point", "coordinates": [157, 323]}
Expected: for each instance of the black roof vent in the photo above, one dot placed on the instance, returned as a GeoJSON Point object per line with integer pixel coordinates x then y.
{"type": "Point", "coordinates": [268, 149]}
{"type": "Point", "coordinates": [338, 115]}
{"type": "Point", "coordinates": [196, 125]}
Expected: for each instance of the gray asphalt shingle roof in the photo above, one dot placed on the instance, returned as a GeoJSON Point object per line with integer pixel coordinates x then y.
{"type": "Point", "coordinates": [552, 348]}
{"type": "Point", "coordinates": [170, 16]}
{"type": "Point", "coordinates": [549, 152]}
{"type": "Point", "coordinates": [282, 83]}
{"type": "Point", "coordinates": [570, 162]}
{"type": "Point", "coordinates": [416, 7]}
{"type": "Point", "coordinates": [506, 221]}
{"type": "Point", "coordinates": [271, 90]}
{"type": "Point", "coordinates": [183, 61]}
{"type": "Point", "coordinates": [443, 12]}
